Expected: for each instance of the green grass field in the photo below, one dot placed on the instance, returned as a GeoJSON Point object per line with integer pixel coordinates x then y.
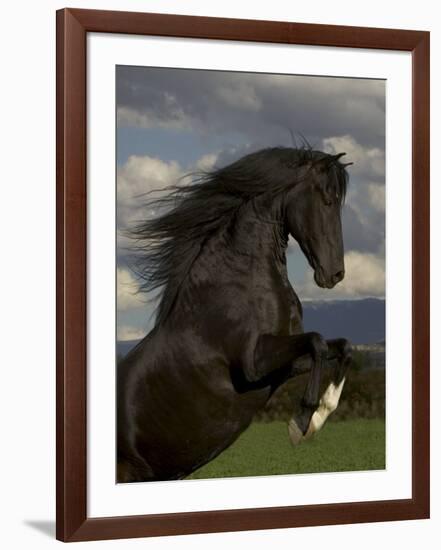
{"type": "Point", "coordinates": [265, 449]}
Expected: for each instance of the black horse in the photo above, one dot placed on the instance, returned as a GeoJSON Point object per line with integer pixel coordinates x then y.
{"type": "Point", "coordinates": [228, 328]}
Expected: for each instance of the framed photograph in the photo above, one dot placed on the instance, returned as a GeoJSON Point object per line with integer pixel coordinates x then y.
{"type": "Point", "coordinates": [242, 274]}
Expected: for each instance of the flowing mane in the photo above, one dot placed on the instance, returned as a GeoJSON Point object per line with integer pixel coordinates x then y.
{"type": "Point", "coordinates": [167, 245]}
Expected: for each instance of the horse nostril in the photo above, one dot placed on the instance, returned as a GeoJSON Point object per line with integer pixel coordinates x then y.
{"type": "Point", "coordinates": [337, 277]}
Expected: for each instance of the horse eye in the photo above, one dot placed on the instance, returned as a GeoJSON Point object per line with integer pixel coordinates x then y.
{"type": "Point", "coordinates": [328, 202]}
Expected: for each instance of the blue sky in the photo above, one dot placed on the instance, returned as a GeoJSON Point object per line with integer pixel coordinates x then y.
{"type": "Point", "coordinates": [174, 121]}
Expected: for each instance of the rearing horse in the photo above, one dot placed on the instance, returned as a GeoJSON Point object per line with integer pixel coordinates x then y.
{"type": "Point", "coordinates": [228, 327]}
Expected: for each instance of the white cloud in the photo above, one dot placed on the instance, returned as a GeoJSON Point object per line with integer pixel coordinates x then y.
{"type": "Point", "coordinates": [377, 196]}
{"type": "Point", "coordinates": [128, 296]}
{"type": "Point", "coordinates": [141, 174]}
{"type": "Point", "coordinates": [138, 176]}
{"type": "Point", "coordinates": [367, 199]}
{"type": "Point", "coordinates": [367, 160]}
{"type": "Point", "coordinates": [144, 174]}
{"type": "Point", "coordinates": [126, 332]}
{"type": "Point", "coordinates": [206, 162]}
{"type": "Point", "coordinates": [364, 276]}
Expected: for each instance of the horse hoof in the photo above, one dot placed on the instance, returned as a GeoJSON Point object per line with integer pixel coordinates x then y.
{"type": "Point", "coordinates": [295, 433]}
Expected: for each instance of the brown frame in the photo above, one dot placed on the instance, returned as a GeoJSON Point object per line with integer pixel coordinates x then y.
{"type": "Point", "coordinates": [72, 28]}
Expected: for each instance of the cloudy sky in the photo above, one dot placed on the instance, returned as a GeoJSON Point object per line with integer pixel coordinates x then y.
{"type": "Point", "coordinates": [174, 121]}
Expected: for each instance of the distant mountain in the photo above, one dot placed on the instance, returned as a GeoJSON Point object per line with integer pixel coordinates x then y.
{"type": "Point", "coordinates": [360, 321]}
{"type": "Point", "coordinates": [124, 346]}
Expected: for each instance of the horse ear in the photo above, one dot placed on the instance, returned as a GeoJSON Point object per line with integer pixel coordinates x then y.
{"type": "Point", "coordinates": [324, 163]}
{"type": "Point", "coordinates": [336, 157]}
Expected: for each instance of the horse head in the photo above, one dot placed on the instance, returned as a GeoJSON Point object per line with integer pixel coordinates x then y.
{"type": "Point", "coordinates": [313, 216]}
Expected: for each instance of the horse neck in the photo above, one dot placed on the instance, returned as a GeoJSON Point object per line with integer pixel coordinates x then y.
{"type": "Point", "coordinates": [251, 243]}
{"type": "Point", "coordinates": [257, 232]}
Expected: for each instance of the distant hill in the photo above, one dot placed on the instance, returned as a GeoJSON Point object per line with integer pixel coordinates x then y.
{"type": "Point", "coordinates": [123, 347]}
{"type": "Point", "coordinates": [360, 321]}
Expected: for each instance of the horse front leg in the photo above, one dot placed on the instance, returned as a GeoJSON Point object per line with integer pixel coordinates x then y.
{"type": "Point", "coordinates": [338, 350]}
{"type": "Point", "coordinates": [277, 353]}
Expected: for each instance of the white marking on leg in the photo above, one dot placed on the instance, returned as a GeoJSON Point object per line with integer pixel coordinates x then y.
{"type": "Point", "coordinates": [328, 404]}
{"type": "Point", "coordinates": [317, 420]}
{"type": "Point", "coordinates": [331, 397]}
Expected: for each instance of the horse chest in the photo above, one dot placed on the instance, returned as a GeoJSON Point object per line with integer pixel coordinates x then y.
{"type": "Point", "coordinates": [278, 310]}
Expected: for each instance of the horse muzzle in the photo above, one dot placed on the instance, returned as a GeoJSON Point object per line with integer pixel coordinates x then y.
{"type": "Point", "coordinates": [324, 281]}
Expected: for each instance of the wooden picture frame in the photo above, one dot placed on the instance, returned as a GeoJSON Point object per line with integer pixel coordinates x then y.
{"type": "Point", "coordinates": [73, 524]}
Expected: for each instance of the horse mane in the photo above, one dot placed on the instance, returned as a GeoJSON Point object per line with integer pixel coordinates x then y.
{"type": "Point", "coordinates": [168, 244]}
